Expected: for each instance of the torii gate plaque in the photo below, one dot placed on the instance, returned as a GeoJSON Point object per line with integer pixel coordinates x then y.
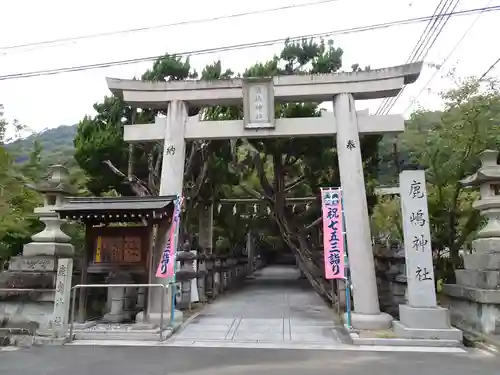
{"type": "Point", "coordinates": [259, 96]}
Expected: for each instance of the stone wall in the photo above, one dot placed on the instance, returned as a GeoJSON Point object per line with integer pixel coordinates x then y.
{"type": "Point", "coordinates": [391, 277]}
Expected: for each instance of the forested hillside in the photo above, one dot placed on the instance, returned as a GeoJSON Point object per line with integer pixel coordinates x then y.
{"type": "Point", "coordinates": [56, 145]}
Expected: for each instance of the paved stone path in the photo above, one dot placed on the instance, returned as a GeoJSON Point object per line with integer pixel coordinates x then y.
{"type": "Point", "coordinates": [276, 307]}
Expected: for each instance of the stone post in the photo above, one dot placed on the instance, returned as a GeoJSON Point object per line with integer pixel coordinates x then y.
{"type": "Point", "coordinates": [250, 253]}
{"type": "Point", "coordinates": [421, 318]}
{"type": "Point", "coordinates": [141, 298]}
{"type": "Point", "coordinates": [217, 276]}
{"type": "Point", "coordinates": [366, 313]}
{"type": "Point", "coordinates": [209, 280]}
{"type": "Point", "coordinates": [201, 272]}
{"type": "Point", "coordinates": [475, 298]}
{"type": "Point", "coordinates": [205, 227]}
{"type": "Point", "coordinates": [118, 297]}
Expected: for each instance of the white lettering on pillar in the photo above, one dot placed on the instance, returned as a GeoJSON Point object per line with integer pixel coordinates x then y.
{"type": "Point", "coordinates": [359, 243]}
{"type": "Point", "coordinates": [174, 149]}
{"type": "Point", "coordinates": [417, 239]}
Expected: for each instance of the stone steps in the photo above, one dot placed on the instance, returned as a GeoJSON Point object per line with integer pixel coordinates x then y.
{"type": "Point", "coordinates": [140, 335]}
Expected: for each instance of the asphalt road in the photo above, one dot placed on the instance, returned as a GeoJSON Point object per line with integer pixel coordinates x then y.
{"type": "Point", "coordinates": [88, 360]}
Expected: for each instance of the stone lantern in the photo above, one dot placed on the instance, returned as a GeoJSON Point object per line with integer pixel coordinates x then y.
{"type": "Point", "coordinates": [36, 267]}
{"type": "Point", "coordinates": [51, 241]}
{"type": "Point", "coordinates": [488, 180]}
{"type": "Point", "coordinates": [475, 298]}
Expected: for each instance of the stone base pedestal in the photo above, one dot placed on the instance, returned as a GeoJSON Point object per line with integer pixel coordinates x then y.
{"type": "Point", "coordinates": [115, 318]}
{"type": "Point", "coordinates": [425, 323]}
{"type": "Point", "coordinates": [371, 321]}
{"type": "Point", "coordinates": [50, 341]}
{"type": "Point", "coordinates": [474, 308]}
{"type": "Point", "coordinates": [155, 317]}
{"type": "Point", "coordinates": [59, 250]}
{"type": "Point", "coordinates": [84, 325]}
{"type": "Point", "coordinates": [474, 301]}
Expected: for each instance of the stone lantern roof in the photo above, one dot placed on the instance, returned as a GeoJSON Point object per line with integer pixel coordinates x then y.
{"type": "Point", "coordinates": [57, 182]}
{"type": "Point", "coordinates": [489, 171]}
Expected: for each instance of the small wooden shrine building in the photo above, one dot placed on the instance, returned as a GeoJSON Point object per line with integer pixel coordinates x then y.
{"type": "Point", "coordinates": [119, 239]}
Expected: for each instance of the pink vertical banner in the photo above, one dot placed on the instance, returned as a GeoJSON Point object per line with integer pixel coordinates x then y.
{"type": "Point", "coordinates": [166, 267]}
{"type": "Point", "coordinates": [333, 233]}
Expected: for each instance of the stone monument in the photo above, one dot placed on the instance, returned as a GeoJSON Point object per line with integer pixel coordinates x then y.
{"type": "Point", "coordinates": [475, 298]}
{"type": "Point", "coordinates": [57, 330]}
{"type": "Point", "coordinates": [421, 317]}
{"type": "Point", "coordinates": [36, 267]}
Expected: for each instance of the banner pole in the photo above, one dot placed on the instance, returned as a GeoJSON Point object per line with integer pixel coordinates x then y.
{"type": "Point", "coordinates": [346, 273]}
{"type": "Point", "coordinates": [173, 289]}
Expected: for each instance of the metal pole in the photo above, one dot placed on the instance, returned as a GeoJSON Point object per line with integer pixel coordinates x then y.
{"type": "Point", "coordinates": [338, 297]}
{"type": "Point", "coordinates": [173, 290]}
{"type": "Point", "coordinates": [162, 301]}
{"type": "Point", "coordinates": [333, 294]}
{"type": "Point", "coordinates": [348, 301]}
{"type": "Point", "coordinates": [346, 273]}
{"type": "Point", "coordinates": [73, 306]}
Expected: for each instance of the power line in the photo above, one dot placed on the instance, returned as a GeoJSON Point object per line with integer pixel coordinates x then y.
{"type": "Point", "coordinates": [181, 23]}
{"type": "Point", "coordinates": [489, 69]}
{"type": "Point", "coordinates": [431, 40]}
{"type": "Point", "coordinates": [430, 25]}
{"type": "Point", "coordinates": [437, 31]}
{"type": "Point", "coordinates": [469, 29]}
{"type": "Point", "coordinates": [426, 31]}
{"type": "Point", "coordinates": [244, 45]}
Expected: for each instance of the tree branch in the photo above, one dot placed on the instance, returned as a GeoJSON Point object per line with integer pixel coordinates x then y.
{"type": "Point", "coordinates": [295, 183]}
{"type": "Point", "coordinates": [313, 224]}
{"type": "Point", "coordinates": [138, 187]}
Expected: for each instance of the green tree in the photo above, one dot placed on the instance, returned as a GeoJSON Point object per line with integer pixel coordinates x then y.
{"type": "Point", "coordinates": [295, 167]}
{"type": "Point", "coordinates": [449, 143]}
{"type": "Point", "coordinates": [17, 200]}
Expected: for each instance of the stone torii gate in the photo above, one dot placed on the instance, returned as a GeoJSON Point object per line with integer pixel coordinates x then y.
{"type": "Point", "coordinates": [258, 96]}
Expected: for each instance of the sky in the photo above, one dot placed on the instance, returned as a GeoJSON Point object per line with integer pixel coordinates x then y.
{"type": "Point", "coordinates": [50, 101]}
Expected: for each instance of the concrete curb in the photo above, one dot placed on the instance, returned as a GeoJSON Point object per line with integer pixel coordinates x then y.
{"type": "Point", "coordinates": [487, 343]}
{"type": "Point", "coordinates": [399, 341]}
{"type": "Point", "coordinates": [181, 327]}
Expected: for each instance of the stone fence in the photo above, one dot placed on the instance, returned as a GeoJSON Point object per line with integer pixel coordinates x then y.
{"type": "Point", "coordinates": [212, 275]}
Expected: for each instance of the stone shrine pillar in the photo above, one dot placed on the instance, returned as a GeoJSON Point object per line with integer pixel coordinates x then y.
{"type": "Point", "coordinates": [475, 298]}
{"type": "Point", "coordinates": [56, 333]}
{"type": "Point", "coordinates": [420, 318]}
{"type": "Point", "coordinates": [172, 178]}
{"type": "Point", "coordinates": [62, 298]}
{"type": "Point", "coordinates": [366, 314]}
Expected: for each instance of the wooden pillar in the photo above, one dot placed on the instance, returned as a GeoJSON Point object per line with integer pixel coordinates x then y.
{"type": "Point", "coordinates": [83, 292]}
